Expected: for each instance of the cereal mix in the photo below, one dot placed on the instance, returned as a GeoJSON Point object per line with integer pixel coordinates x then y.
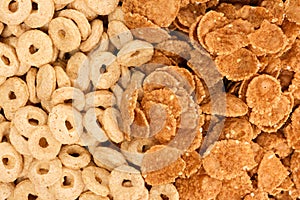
{"type": "Point", "coordinates": [149, 99]}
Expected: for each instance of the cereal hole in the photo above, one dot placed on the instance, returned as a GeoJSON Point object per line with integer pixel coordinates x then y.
{"type": "Point", "coordinates": [127, 183]}
{"type": "Point", "coordinates": [35, 6]}
{"type": "Point", "coordinates": [8, 162]}
{"type": "Point", "coordinates": [68, 101]}
{"type": "Point", "coordinates": [62, 34]}
{"type": "Point", "coordinates": [32, 197]}
{"type": "Point", "coordinates": [5, 139]}
{"type": "Point", "coordinates": [75, 155]}
{"type": "Point", "coordinates": [68, 181]}
{"type": "Point", "coordinates": [164, 197]}
{"type": "Point", "coordinates": [43, 171]}
{"type": "Point", "coordinates": [43, 143]}
{"type": "Point", "coordinates": [103, 69]}
{"type": "Point", "coordinates": [12, 95]}
{"type": "Point", "coordinates": [98, 179]}
{"type": "Point", "coordinates": [33, 49]}
{"type": "Point", "coordinates": [5, 60]}
{"type": "Point", "coordinates": [33, 122]}
{"type": "Point", "coordinates": [13, 6]}
{"type": "Point", "coordinates": [68, 125]}
{"type": "Point", "coordinates": [136, 53]}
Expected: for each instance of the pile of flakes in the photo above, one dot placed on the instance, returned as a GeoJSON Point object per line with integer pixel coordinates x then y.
{"type": "Point", "coordinates": [101, 100]}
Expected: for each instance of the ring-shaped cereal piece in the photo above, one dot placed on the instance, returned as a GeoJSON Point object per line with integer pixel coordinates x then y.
{"type": "Point", "coordinates": [96, 180]}
{"type": "Point", "coordinates": [74, 156]}
{"type": "Point", "coordinates": [127, 183]}
{"type": "Point", "coordinates": [65, 122]}
{"type": "Point", "coordinates": [100, 98]}
{"type": "Point", "coordinates": [62, 79]}
{"type": "Point", "coordinates": [42, 144]}
{"type": "Point", "coordinates": [45, 173]}
{"type": "Point", "coordinates": [102, 7]}
{"type": "Point", "coordinates": [168, 190]}
{"type": "Point", "coordinates": [95, 36]}
{"type": "Point", "coordinates": [23, 69]}
{"type": "Point", "coordinates": [41, 16]}
{"type": "Point", "coordinates": [118, 33]}
{"type": "Point", "coordinates": [81, 6]}
{"type": "Point", "coordinates": [65, 34]}
{"type": "Point", "coordinates": [31, 83]}
{"type": "Point", "coordinates": [62, 95]}
{"type": "Point", "coordinates": [70, 185]}
{"type": "Point", "coordinates": [108, 158]}
{"type": "Point", "coordinates": [45, 82]}
{"type": "Point", "coordinates": [28, 118]}
{"type": "Point", "coordinates": [19, 141]}
{"type": "Point", "coordinates": [80, 20]}
{"type": "Point", "coordinates": [9, 62]}
{"type": "Point", "coordinates": [6, 190]}
{"type": "Point", "coordinates": [105, 71]}
{"type": "Point", "coordinates": [16, 15]}
{"type": "Point", "coordinates": [34, 48]}
{"type": "Point", "coordinates": [11, 163]}
{"type": "Point", "coordinates": [14, 94]}
{"type": "Point", "coordinates": [25, 189]}
{"type": "Point", "coordinates": [5, 131]}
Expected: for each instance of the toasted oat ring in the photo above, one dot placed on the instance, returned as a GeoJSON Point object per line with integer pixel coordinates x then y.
{"type": "Point", "coordinates": [11, 163]}
{"type": "Point", "coordinates": [6, 190]}
{"type": "Point", "coordinates": [31, 83]}
{"type": "Point", "coordinates": [9, 62]}
{"type": "Point", "coordinates": [118, 33]}
{"type": "Point", "coordinates": [74, 156]}
{"type": "Point", "coordinates": [45, 173]}
{"type": "Point", "coordinates": [27, 118]}
{"type": "Point", "coordinates": [14, 94]}
{"type": "Point", "coordinates": [81, 6]}
{"type": "Point", "coordinates": [24, 189]}
{"type": "Point", "coordinates": [18, 141]}
{"type": "Point", "coordinates": [18, 14]}
{"type": "Point", "coordinates": [80, 20]}
{"type": "Point", "coordinates": [102, 7]}
{"type": "Point", "coordinates": [95, 36]}
{"type": "Point", "coordinates": [34, 48]}
{"type": "Point", "coordinates": [5, 131]}
{"type": "Point", "coordinates": [65, 34]}
{"type": "Point", "coordinates": [168, 190]}
{"type": "Point", "coordinates": [105, 71]}
{"type": "Point", "coordinates": [62, 79]}
{"type": "Point", "coordinates": [42, 15]}
{"type": "Point", "coordinates": [96, 180]}
{"type": "Point", "coordinates": [46, 82]}
{"type": "Point", "coordinates": [100, 98]}
{"type": "Point", "coordinates": [65, 122]}
{"type": "Point", "coordinates": [69, 186]}
{"type": "Point", "coordinates": [42, 144]}
{"type": "Point", "coordinates": [64, 94]}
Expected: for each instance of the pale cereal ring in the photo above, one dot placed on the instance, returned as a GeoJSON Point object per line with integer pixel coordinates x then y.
{"type": "Point", "coordinates": [105, 71]}
{"type": "Point", "coordinates": [82, 7]}
{"type": "Point", "coordinates": [100, 98]}
{"type": "Point", "coordinates": [103, 44]}
{"type": "Point", "coordinates": [108, 158]}
{"type": "Point", "coordinates": [45, 173]}
{"type": "Point", "coordinates": [94, 38]}
{"type": "Point", "coordinates": [41, 16]}
{"type": "Point", "coordinates": [80, 20]}
{"type": "Point", "coordinates": [19, 141]}
{"type": "Point", "coordinates": [31, 83]}
{"type": "Point", "coordinates": [62, 78]}
{"type": "Point", "coordinates": [45, 82]}
{"type": "Point", "coordinates": [74, 156]}
{"type": "Point", "coordinates": [78, 70]}
{"type": "Point", "coordinates": [28, 118]}
{"type": "Point", "coordinates": [91, 196]}
{"type": "Point", "coordinates": [102, 7]}
{"type": "Point", "coordinates": [65, 122]}
{"type": "Point", "coordinates": [65, 34]}
{"type": "Point", "coordinates": [110, 120]}
{"type": "Point", "coordinates": [9, 62]}
{"type": "Point", "coordinates": [5, 131]}
{"type": "Point", "coordinates": [25, 190]}
{"type": "Point", "coordinates": [14, 94]}
{"type": "Point", "coordinates": [168, 191]}
{"type": "Point", "coordinates": [127, 183]}
{"type": "Point", "coordinates": [23, 69]}
{"type": "Point", "coordinates": [34, 48]}
{"type": "Point", "coordinates": [70, 185]}
{"type": "Point", "coordinates": [63, 1]}
{"type": "Point", "coordinates": [11, 163]}
{"type": "Point", "coordinates": [64, 94]}
{"type": "Point", "coordinates": [135, 53]}
{"type": "Point", "coordinates": [118, 33]}
{"type": "Point", "coordinates": [16, 15]}
{"type": "Point", "coordinates": [6, 190]}
{"type": "Point", "coordinates": [117, 14]}
{"type": "Point", "coordinates": [96, 180]}
{"type": "Point", "coordinates": [42, 144]}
